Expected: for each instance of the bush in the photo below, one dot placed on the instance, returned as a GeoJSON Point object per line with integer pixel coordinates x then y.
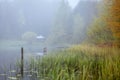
{"type": "Point", "coordinates": [29, 37]}
{"type": "Point", "coordinates": [99, 33]}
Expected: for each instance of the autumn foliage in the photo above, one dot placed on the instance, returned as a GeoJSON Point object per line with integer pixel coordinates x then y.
{"type": "Point", "coordinates": [113, 19]}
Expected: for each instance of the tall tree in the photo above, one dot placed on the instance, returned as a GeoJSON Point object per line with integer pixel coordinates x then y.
{"type": "Point", "coordinates": [100, 33]}
{"type": "Point", "coordinates": [61, 28]}
{"type": "Point", "coordinates": [78, 29]}
{"type": "Point", "coordinates": [113, 19]}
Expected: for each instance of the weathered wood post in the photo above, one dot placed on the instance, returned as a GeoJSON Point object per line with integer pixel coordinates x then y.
{"type": "Point", "coordinates": [22, 62]}
{"type": "Point", "coordinates": [45, 51]}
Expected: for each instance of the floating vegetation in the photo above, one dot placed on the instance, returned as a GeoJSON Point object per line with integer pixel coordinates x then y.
{"type": "Point", "coordinates": [29, 75]}
{"type": "Point", "coordinates": [13, 78]}
{"type": "Point", "coordinates": [13, 71]}
{"type": "Point", "coordinates": [3, 74]}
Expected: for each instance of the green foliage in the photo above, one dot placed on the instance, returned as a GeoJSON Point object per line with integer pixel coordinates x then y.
{"type": "Point", "coordinates": [79, 63]}
{"type": "Point", "coordinates": [78, 29]}
{"type": "Point", "coordinates": [29, 37]}
{"type": "Point", "coordinates": [99, 32]}
{"type": "Point", "coordinates": [60, 30]}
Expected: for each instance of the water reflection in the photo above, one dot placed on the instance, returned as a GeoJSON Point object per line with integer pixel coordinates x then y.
{"type": "Point", "coordinates": [10, 64]}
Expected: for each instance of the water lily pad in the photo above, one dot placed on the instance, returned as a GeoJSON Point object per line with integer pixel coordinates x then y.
{"type": "Point", "coordinates": [18, 75]}
{"type": "Point", "coordinates": [12, 78]}
{"type": "Point", "coordinates": [29, 75]}
{"type": "Point", "coordinates": [3, 74]}
{"type": "Point", "coordinates": [12, 71]}
{"type": "Point", "coordinates": [27, 71]}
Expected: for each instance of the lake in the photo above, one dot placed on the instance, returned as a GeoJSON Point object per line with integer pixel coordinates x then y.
{"type": "Point", "coordinates": [8, 59]}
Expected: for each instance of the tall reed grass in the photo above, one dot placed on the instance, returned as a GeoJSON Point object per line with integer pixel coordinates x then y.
{"type": "Point", "coordinates": [79, 63]}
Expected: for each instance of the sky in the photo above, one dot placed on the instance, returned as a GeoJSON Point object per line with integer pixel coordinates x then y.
{"type": "Point", "coordinates": [73, 3]}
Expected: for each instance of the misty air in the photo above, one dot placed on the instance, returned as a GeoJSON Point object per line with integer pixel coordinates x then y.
{"type": "Point", "coordinates": [59, 40]}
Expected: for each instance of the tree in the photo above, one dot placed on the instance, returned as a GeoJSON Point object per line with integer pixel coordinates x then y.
{"type": "Point", "coordinates": [29, 37]}
{"type": "Point", "coordinates": [108, 24]}
{"type": "Point", "coordinates": [78, 29]}
{"type": "Point", "coordinates": [60, 30]}
{"type": "Point", "coordinates": [113, 19]}
{"type": "Point", "coordinates": [99, 32]}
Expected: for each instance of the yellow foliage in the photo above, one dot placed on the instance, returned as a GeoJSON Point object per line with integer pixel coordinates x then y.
{"type": "Point", "coordinates": [90, 49]}
{"type": "Point", "coordinates": [113, 19]}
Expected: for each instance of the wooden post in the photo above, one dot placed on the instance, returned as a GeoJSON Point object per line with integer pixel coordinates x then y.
{"type": "Point", "coordinates": [45, 51]}
{"type": "Point", "coordinates": [22, 62]}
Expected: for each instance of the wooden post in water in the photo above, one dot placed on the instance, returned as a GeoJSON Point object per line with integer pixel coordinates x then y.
{"type": "Point", "coordinates": [22, 62]}
{"type": "Point", "coordinates": [45, 51]}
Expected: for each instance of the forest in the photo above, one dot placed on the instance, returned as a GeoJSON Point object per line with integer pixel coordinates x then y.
{"type": "Point", "coordinates": [59, 40]}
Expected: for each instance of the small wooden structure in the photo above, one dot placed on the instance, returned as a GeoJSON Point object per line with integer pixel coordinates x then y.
{"type": "Point", "coordinates": [44, 50]}
{"type": "Point", "coordinates": [22, 62]}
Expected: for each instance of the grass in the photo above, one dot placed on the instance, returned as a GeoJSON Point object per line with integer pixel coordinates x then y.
{"type": "Point", "coordinates": [79, 63]}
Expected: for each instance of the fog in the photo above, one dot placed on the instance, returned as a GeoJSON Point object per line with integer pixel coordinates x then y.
{"type": "Point", "coordinates": [22, 21]}
{"type": "Point", "coordinates": [35, 24]}
{"type": "Point", "coordinates": [28, 15]}
{"type": "Point", "coordinates": [36, 16]}
{"type": "Point", "coordinates": [59, 39]}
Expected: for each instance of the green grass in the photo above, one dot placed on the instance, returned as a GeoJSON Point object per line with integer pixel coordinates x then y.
{"type": "Point", "coordinates": [79, 63]}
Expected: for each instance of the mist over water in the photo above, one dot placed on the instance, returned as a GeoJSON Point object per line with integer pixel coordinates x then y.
{"type": "Point", "coordinates": [59, 39]}
{"type": "Point", "coordinates": [21, 22]}
{"type": "Point", "coordinates": [60, 23]}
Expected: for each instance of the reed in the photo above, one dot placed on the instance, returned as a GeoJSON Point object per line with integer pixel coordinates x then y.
{"type": "Point", "coordinates": [80, 63]}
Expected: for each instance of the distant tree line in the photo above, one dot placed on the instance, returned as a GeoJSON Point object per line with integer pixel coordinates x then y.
{"type": "Point", "coordinates": [20, 16]}
{"type": "Point", "coordinates": [70, 26]}
{"type": "Point", "coordinates": [65, 26]}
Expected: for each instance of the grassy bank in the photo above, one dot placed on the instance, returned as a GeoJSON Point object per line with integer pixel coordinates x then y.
{"type": "Point", "coordinates": [79, 63]}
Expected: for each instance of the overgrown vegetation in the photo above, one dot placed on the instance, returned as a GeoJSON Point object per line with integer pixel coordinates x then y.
{"type": "Point", "coordinates": [113, 20]}
{"type": "Point", "coordinates": [98, 60]}
{"type": "Point", "coordinates": [88, 62]}
{"type": "Point", "coordinates": [79, 63]}
{"type": "Point", "coordinates": [99, 32]}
